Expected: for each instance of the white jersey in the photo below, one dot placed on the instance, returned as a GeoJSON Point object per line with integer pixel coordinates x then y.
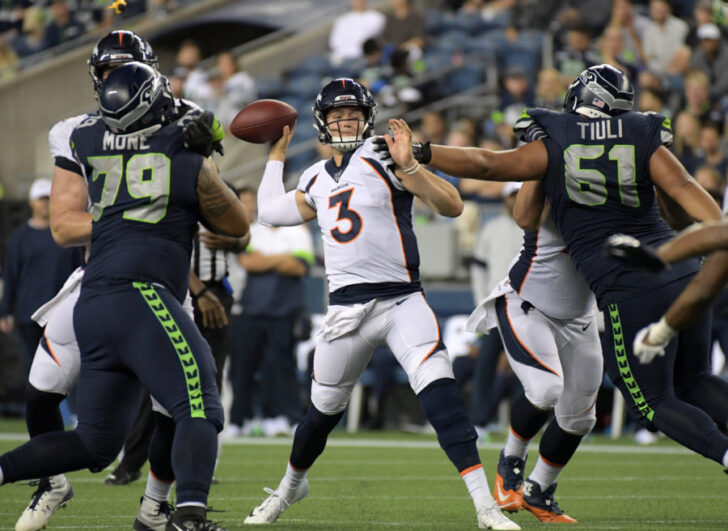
{"type": "Point", "coordinates": [365, 215]}
{"type": "Point", "coordinates": [544, 275]}
{"type": "Point", "coordinates": [59, 139]}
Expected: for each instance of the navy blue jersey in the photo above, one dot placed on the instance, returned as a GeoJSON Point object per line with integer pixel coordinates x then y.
{"type": "Point", "coordinates": [144, 204]}
{"type": "Point", "coordinates": [599, 184]}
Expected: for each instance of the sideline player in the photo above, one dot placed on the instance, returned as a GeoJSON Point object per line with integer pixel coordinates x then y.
{"type": "Point", "coordinates": [56, 364]}
{"type": "Point", "coordinates": [545, 315]}
{"type": "Point", "coordinates": [375, 296]}
{"type": "Point", "coordinates": [142, 234]}
{"type": "Point", "coordinates": [598, 165]}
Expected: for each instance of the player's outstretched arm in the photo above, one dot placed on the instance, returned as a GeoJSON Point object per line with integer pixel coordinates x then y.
{"type": "Point", "coordinates": [525, 163]}
{"type": "Point", "coordinates": [70, 222]}
{"type": "Point", "coordinates": [220, 208]}
{"type": "Point", "coordinates": [276, 207]}
{"type": "Point", "coordinates": [697, 240]}
{"type": "Point", "coordinates": [439, 194]}
{"type": "Point", "coordinates": [673, 179]}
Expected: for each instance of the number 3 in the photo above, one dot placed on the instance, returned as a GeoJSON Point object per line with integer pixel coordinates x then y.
{"type": "Point", "coordinates": [342, 199]}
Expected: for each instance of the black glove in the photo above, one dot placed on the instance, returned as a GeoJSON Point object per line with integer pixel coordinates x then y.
{"type": "Point", "coordinates": [199, 137]}
{"type": "Point", "coordinates": [421, 151]}
{"type": "Point", "coordinates": [530, 133]}
{"type": "Point", "coordinates": [631, 251]}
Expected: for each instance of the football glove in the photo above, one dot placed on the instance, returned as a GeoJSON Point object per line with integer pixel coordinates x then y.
{"type": "Point", "coordinates": [421, 151]}
{"type": "Point", "coordinates": [530, 133]}
{"type": "Point", "coordinates": [203, 134]}
{"type": "Point", "coordinates": [644, 352]}
{"type": "Point", "coordinates": [631, 251]}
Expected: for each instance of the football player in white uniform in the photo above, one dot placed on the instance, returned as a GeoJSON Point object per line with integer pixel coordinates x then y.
{"type": "Point", "coordinates": [372, 264]}
{"type": "Point", "coordinates": [545, 314]}
{"type": "Point", "coordinates": [56, 364]}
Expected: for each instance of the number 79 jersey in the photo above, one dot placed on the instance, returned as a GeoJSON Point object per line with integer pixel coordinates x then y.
{"type": "Point", "coordinates": [365, 215]}
{"type": "Point", "coordinates": [598, 183]}
{"type": "Point", "coordinates": [144, 204]}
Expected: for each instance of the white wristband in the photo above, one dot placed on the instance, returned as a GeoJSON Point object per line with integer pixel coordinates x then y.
{"type": "Point", "coordinates": [412, 169]}
{"type": "Point", "coordinates": [661, 333]}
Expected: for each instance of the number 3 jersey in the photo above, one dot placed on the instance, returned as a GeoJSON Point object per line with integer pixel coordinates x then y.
{"type": "Point", "coordinates": [365, 215]}
{"type": "Point", "coordinates": [599, 184]}
{"type": "Point", "coordinates": [144, 204]}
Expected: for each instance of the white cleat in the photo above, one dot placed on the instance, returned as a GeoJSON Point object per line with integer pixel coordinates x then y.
{"type": "Point", "coordinates": [492, 518]}
{"type": "Point", "coordinates": [153, 515]}
{"type": "Point", "coordinates": [52, 494]}
{"type": "Point", "coordinates": [273, 506]}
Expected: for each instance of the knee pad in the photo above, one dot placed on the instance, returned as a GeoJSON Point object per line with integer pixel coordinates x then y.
{"type": "Point", "coordinates": [545, 397]}
{"type": "Point", "coordinates": [436, 367]}
{"type": "Point", "coordinates": [577, 424]}
{"type": "Point", "coordinates": [444, 408]}
{"type": "Point", "coordinates": [329, 399]}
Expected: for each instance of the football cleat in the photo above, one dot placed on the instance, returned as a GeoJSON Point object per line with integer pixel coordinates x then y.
{"type": "Point", "coordinates": [542, 503]}
{"type": "Point", "coordinates": [152, 515]}
{"type": "Point", "coordinates": [508, 490]}
{"type": "Point", "coordinates": [121, 476]}
{"type": "Point", "coordinates": [273, 506]}
{"type": "Point", "coordinates": [52, 494]}
{"type": "Point", "coordinates": [192, 518]}
{"type": "Point", "coordinates": [492, 518]}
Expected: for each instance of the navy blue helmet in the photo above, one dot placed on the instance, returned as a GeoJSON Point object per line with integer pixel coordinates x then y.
{"type": "Point", "coordinates": [134, 97]}
{"type": "Point", "coordinates": [344, 92]}
{"type": "Point", "coordinates": [118, 47]}
{"type": "Point", "coordinates": [600, 91]}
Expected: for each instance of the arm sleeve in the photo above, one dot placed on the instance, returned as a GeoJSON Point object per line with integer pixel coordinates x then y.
{"type": "Point", "coordinates": [275, 205]}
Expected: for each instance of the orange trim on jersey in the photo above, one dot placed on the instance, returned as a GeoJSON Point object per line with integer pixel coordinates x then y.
{"type": "Point", "coordinates": [439, 335]}
{"type": "Point", "coordinates": [394, 214]}
{"type": "Point", "coordinates": [50, 350]}
{"type": "Point", "coordinates": [339, 218]}
{"type": "Point", "coordinates": [510, 323]}
{"type": "Point", "coordinates": [549, 463]}
{"type": "Point", "coordinates": [471, 469]}
{"type": "Point", "coordinates": [518, 436]}
{"type": "Point", "coordinates": [533, 259]}
{"type": "Point", "coordinates": [159, 479]}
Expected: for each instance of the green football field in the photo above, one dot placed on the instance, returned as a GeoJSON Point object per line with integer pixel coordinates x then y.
{"type": "Point", "coordinates": [397, 480]}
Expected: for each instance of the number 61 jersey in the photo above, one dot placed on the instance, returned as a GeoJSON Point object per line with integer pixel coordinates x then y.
{"type": "Point", "coordinates": [365, 215]}
{"type": "Point", "coordinates": [598, 183]}
{"type": "Point", "coordinates": [144, 204]}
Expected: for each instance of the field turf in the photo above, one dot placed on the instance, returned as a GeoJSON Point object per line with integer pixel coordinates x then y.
{"type": "Point", "coordinates": [388, 480]}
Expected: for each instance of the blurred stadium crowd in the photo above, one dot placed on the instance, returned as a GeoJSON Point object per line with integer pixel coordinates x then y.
{"type": "Point", "coordinates": [462, 71]}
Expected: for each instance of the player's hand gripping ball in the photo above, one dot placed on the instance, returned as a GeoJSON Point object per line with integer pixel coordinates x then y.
{"type": "Point", "coordinates": [263, 121]}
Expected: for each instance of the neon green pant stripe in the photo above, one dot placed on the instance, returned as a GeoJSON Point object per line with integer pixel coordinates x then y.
{"type": "Point", "coordinates": [625, 372]}
{"type": "Point", "coordinates": [189, 365]}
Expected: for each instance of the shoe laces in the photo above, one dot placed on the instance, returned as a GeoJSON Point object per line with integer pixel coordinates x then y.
{"type": "Point", "coordinates": [274, 494]}
{"type": "Point", "coordinates": [166, 508]}
{"type": "Point", "coordinates": [548, 499]}
{"type": "Point", "coordinates": [44, 485]}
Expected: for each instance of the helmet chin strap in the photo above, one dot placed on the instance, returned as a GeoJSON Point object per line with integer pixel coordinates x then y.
{"type": "Point", "coordinates": [591, 113]}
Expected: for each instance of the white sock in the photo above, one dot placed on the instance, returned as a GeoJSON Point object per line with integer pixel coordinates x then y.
{"type": "Point", "coordinates": [478, 488]}
{"type": "Point", "coordinates": [515, 446]}
{"type": "Point", "coordinates": [293, 477]}
{"type": "Point", "coordinates": [157, 489]}
{"type": "Point", "coordinates": [192, 504]}
{"type": "Point", "coordinates": [725, 464]}
{"type": "Point", "coordinates": [219, 450]}
{"type": "Point", "coordinates": [1, 476]}
{"type": "Point", "coordinates": [544, 474]}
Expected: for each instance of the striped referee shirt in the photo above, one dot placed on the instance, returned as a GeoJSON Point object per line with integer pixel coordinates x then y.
{"type": "Point", "coordinates": [210, 265]}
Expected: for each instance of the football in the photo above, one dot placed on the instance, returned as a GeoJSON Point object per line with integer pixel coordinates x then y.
{"type": "Point", "coordinates": [262, 121]}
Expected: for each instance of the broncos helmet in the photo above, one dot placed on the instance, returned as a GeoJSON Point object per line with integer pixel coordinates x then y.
{"type": "Point", "coordinates": [600, 91]}
{"type": "Point", "coordinates": [118, 47]}
{"type": "Point", "coordinates": [344, 92]}
{"type": "Point", "coordinates": [135, 97]}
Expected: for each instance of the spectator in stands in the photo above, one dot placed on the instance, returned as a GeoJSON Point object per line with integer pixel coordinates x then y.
{"type": "Point", "coordinates": [592, 15]}
{"type": "Point", "coordinates": [664, 40]}
{"type": "Point", "coordinates": [31, 40]}
{"type": "Point", "coordinates": [35, 269]}
{"type": "Point", "coordinates": [612, 51]}
{"type": "Point", "coordinates": [712, 58]}
{"type": "Point", "coordinates": [351, 29]}
{"type": "Point", "coordinates": [64, 27]}
{"type": "Point", "coordinates": [516, 95]}
{"type": "Point", "coordinates": [651, 101]}
{"type": "Point", "coordinates": [702, 14]}
{"type": "Point", "coordinates": [370, 66]}
{"type": "Point", "coordinates": [711, 152]}
{"type": "Point", "coordinates": [433, 127]}
{"type": "Point", "coordinates": [404, 26]}
{"type": "Point", "coordinates": [696, 94]}
{"type": "Point", "coordinates": [712, 181]}
{"type": "Point", "coordinates": [11, 15]}
{"type": "Point", "coordinates": [632, 26]}
{"type": "Point", "coordinates": [275, 261]}
{"type": "Point", "coordinates": [8, 59]}
{"type": "Point", "coordinates": [399, 77]}
{"type": "Point", "coordinates": [687, 140]}
{"type": "Point", "coordinates": [549, 89]}
{"type": "Point", "coordinates": [196, 86]}
{"type": "Point", "coordinates": [177, 80]}
{"type": "Point", "coordinates": [577, 55]}
{"type": "Point", "coordinates": [233, 89]}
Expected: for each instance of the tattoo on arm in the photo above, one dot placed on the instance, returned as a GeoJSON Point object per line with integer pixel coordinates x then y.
{"type": "Point", "coordinates": [211, 191]}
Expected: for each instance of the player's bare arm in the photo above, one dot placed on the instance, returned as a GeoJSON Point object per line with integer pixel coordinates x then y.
{"type": "Point", "coordinates": [275, 205]}
{"type": "Point", "coordinates": [284, 264]}
{"type": "Point", "coordinates": [70, 222]}
{"type": "Point", "coordinates": [673, 179]}
{"type": "Point", "coordinates": [440, 195]}
{"type": "Point", "coordinates": [698, 240]}
{"type": "Point", "coordinates": [219, 205]}
{"type": "Point", "coordinates": [530, 208]}
{"type": "Point", "coordinates": [525, 163]}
